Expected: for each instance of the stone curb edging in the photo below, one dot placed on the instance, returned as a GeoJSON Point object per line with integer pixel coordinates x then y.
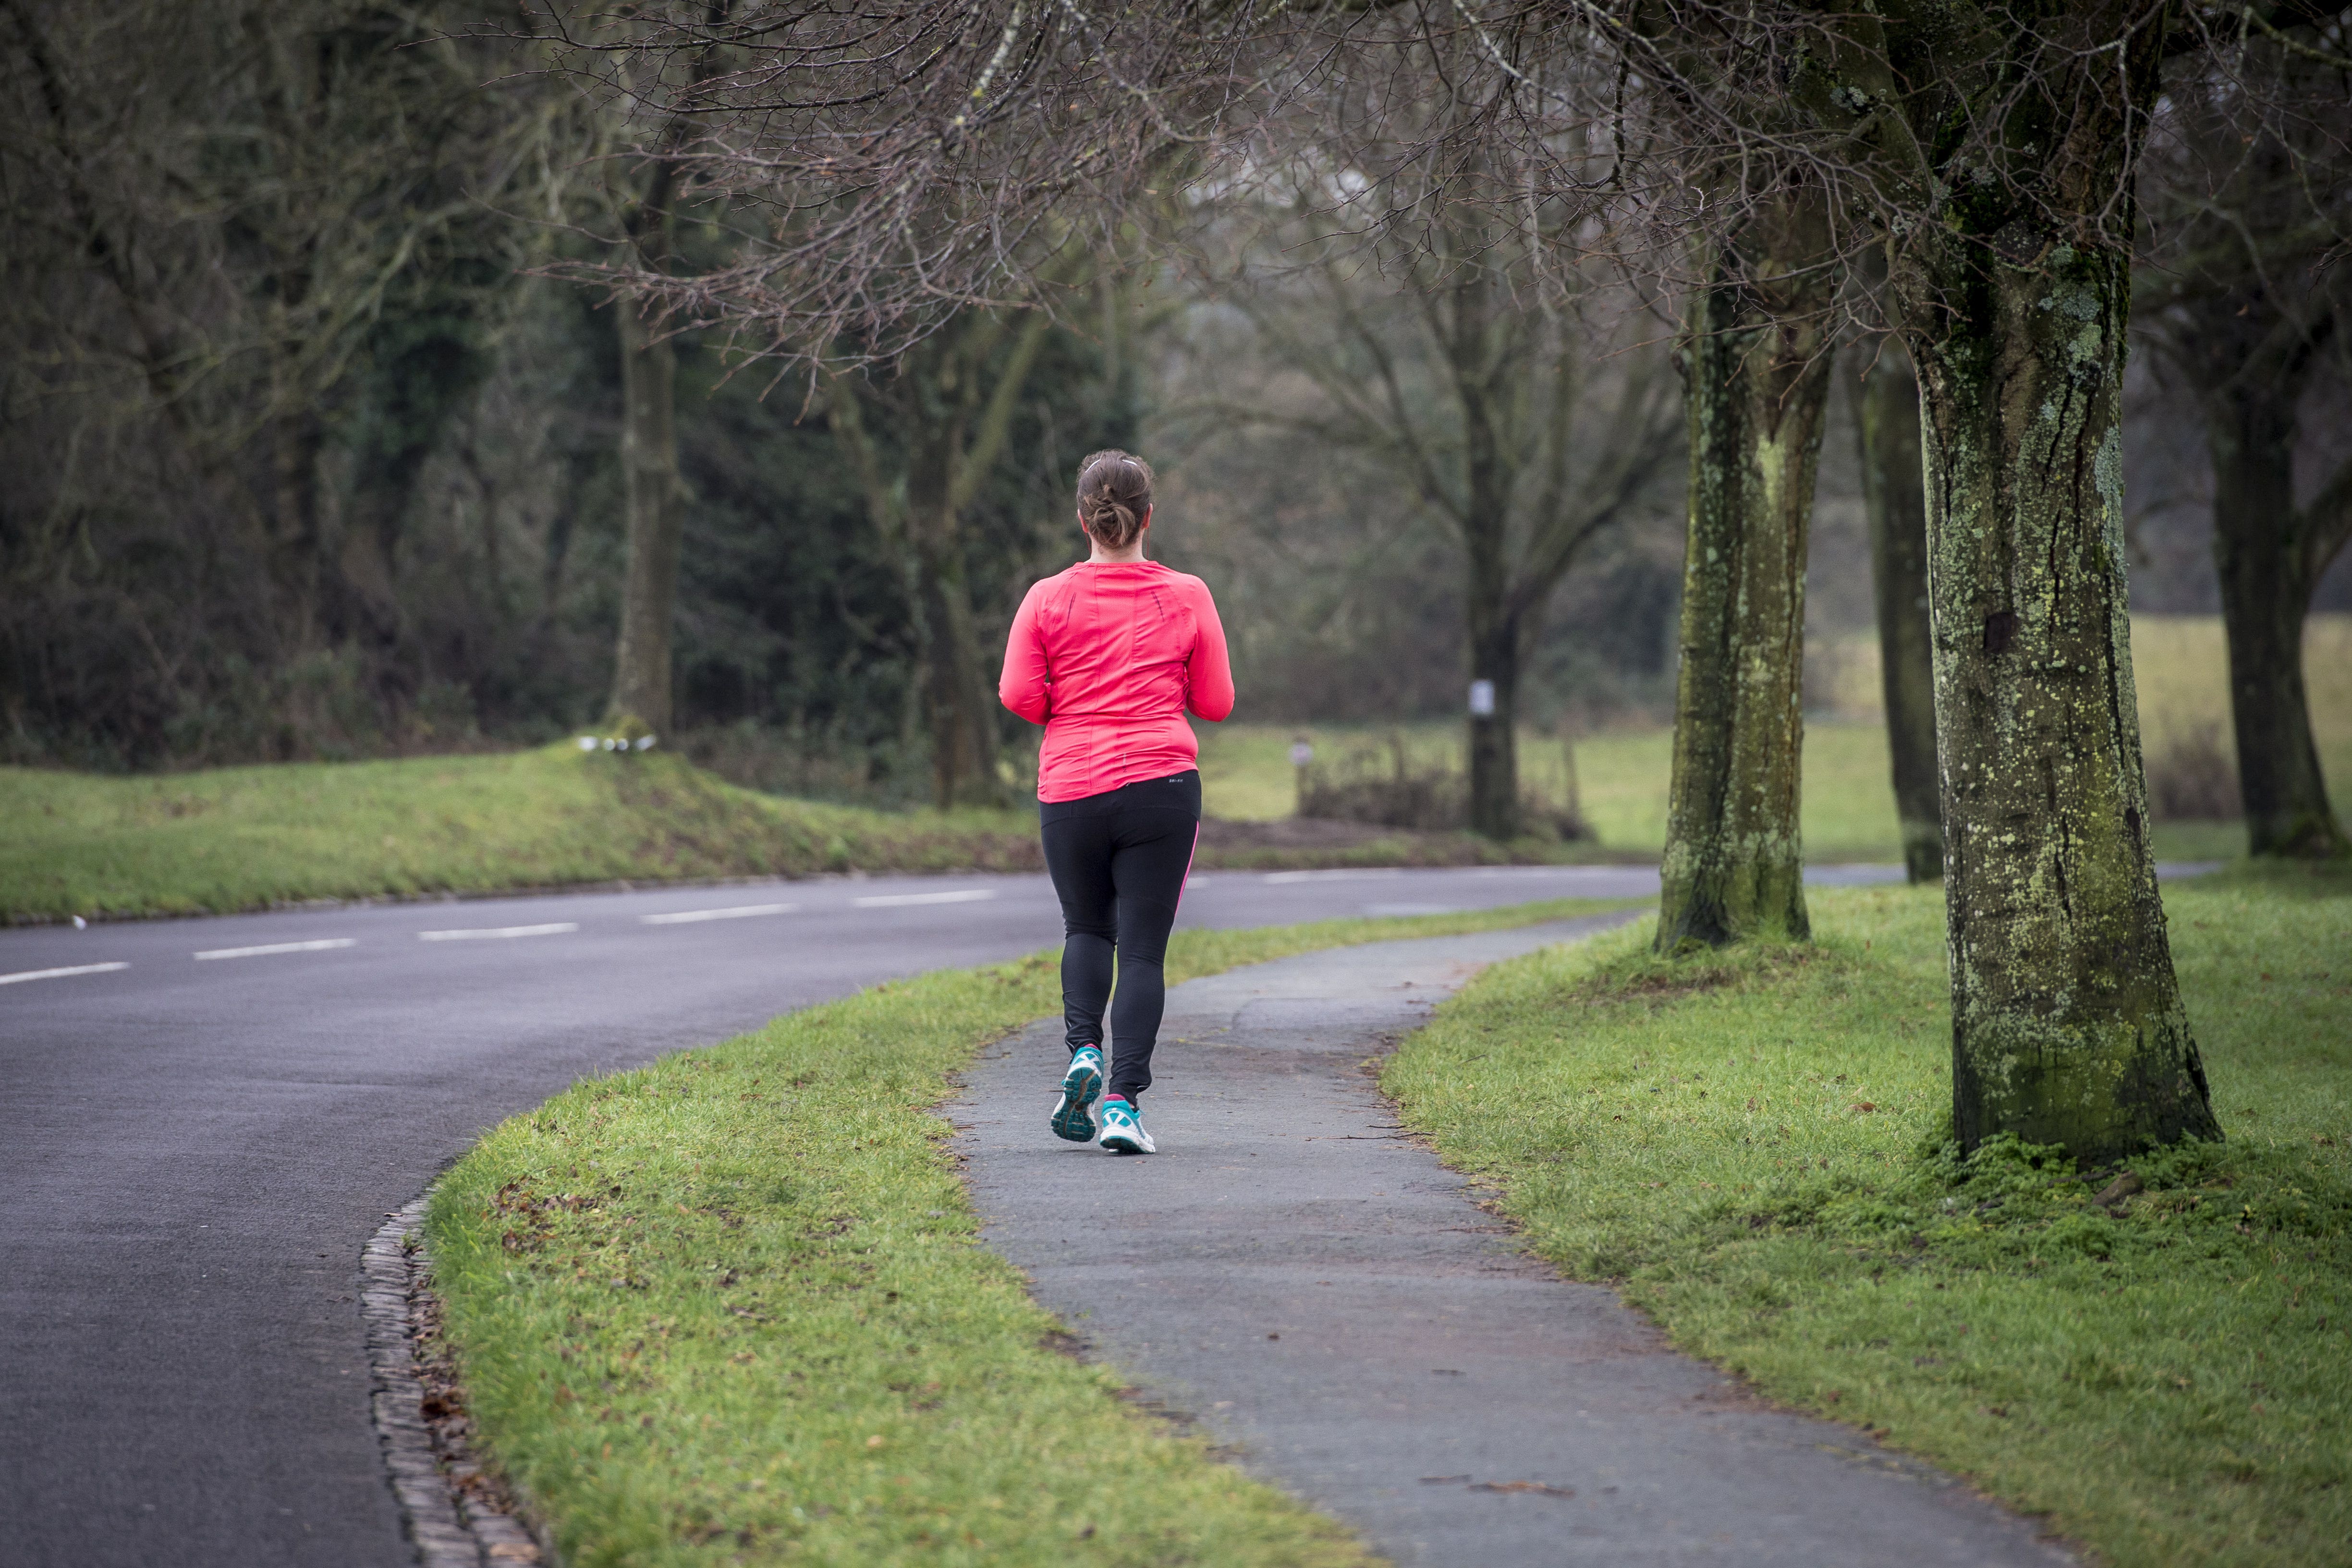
{"type": "Point", "coordinates": [449, 1528]}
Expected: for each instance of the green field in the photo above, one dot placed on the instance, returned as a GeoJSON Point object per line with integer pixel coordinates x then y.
{"type": "Point", "coordinates": [247, 838]}
{"type": "Point", "coordinates": [1755, 1147]}
{"type": "Point", "coordinates": [2180, 666]}
{"type": "Point", "coordinates": [732, 1308]}
{"type": "Point", "coordinates": [1246, 775]}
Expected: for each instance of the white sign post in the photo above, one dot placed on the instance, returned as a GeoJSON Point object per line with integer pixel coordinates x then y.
{"type": "Point", "coordinates": [1482, 699]}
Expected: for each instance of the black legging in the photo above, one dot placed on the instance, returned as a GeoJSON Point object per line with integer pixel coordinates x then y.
{"type": "Point", "coordinates": [1119, 861]}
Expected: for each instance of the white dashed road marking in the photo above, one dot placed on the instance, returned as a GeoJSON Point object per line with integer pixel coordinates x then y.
{"type": "Point", "coordinates": [1363, 875]}
{"type": "Point", "coordinates": [262, 952]}
{"type": "Point", "coordinates": [556, 929]}
{"type": "Point", "coordinates": [60, 974]}
{"type": "Point", "coordinates": [740, 911]}
{"type": "Point", "coordinates": [898, 899]}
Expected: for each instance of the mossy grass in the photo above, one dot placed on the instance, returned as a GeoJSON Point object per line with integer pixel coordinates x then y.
{"type": "Point", "coordinates": [1756, 1145]}
{"type": "Point", "coordinates": [731, 1308]}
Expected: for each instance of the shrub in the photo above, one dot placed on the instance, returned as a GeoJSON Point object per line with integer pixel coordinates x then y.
{"type": "Point", "coordinates": [1382, 783]}
{"type": "Point", "coordinates": [2193, 778]}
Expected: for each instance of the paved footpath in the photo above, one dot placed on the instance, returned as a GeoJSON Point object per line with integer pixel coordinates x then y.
{"type": "Point", "coordinates": [1320, 1293]}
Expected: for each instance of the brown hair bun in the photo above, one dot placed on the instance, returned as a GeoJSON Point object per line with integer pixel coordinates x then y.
{"type": "Point", "coordinates": [1114, 494]}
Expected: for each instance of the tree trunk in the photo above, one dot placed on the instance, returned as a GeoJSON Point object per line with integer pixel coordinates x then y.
{"type": "Point", "coordinates": [2067, 1026]}
{"type": "Point", "coordinates": [1757, 368]}
{"type": "Point", "coordinates": [656, 515]}
{"type": "Point", "coordinates": [1493, 804]}
{"type": "Point", "coordinates": [298, 440]}
{"type": "Point", "coordinates": [1895, 501]}
{"type": "Point", "coordinates": [958, 696]}
{"type": "Point", "coordinates": [2260, 548]}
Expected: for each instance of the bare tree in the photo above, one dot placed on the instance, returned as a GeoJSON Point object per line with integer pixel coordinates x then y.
{"type": "Point", "coordinates": [1510, 394]}
{"type": "Point", "coordinates": [922, 438]}
{"type": "Point", "coordinates": [886, 166]}
{"type": "Point", "coordinates": [2251, 223]}
{"type": "Point", "coordinates": [234, 234]}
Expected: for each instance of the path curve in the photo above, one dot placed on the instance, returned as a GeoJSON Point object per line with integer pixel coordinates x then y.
{"type": "Point", "coordinates": [1324, 1296]}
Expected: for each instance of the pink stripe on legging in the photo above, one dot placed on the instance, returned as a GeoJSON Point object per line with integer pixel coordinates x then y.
{"type": "Point", "coordinates": [1193, 855]}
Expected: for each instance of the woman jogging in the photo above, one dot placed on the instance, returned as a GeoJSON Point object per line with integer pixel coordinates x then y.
{"type": "Point", "coordinates": [1107, 655]}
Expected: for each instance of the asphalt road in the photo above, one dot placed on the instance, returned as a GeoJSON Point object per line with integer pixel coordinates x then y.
{"type": "Point", "coordinates": [204, 1120]}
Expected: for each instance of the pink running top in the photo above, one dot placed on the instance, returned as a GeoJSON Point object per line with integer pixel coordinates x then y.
{"type": "Point", "coordinates": [1107, 655]}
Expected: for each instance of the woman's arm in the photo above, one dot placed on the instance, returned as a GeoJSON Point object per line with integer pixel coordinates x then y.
{"type": "Point", "coordinates": [1211, 673]}
{"type": "Point", "coordinates": [1023, 686]}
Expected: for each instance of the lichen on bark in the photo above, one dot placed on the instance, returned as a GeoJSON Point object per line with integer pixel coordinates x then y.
{"type": "Point", "coordinates": [1756, 362]}
{"type": "Point", "coordinates": [2067, 1024]}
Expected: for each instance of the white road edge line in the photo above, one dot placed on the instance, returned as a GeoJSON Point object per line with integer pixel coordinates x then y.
{"type": "Point", "coordinates": [896, 900]}
{"type": "Point", "coordinates": [556, 929]}
{"type": "Point", "coordinates": [60, 974]}
{"type": "Point", "coordinates": [739, 912]}
{"type": "Point", "coordinates": [321, 945]}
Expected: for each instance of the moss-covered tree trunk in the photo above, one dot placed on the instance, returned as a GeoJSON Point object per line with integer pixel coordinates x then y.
{"type": "Point", "coordinates": [2067, 1026]}
{"type": "Point", "coordinates": [652, 491]}
{"type": "Point", "coordinates": [2270, 554]}
{"type": "Point", "coordinates": [1756, 364]}
{"type": "Point", "coordinates": [1895, 505]}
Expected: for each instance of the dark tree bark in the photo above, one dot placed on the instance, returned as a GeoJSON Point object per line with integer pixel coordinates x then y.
{"type": "Point", "coordinates": [959, 703]}
{"type": "Point", "coordinates": [2241, 238]}
{"type": "Point", "coordinates": [2010, 286]}
{"type": "Point", "coordinates": [654, 493]}
{"type": "Point", "coordinates": [2067, 1026]}
{"type": "Point", "coordinates": [2271, 555]}
{"type": "Point", "coordinates": [657, 520]}
{"type": "Point", "coordinates": [1496, 638]}
{"type": "Point", "coordinates": [1895, 502]}
{"type": "Point", "coordinates": [1756, 358]}
{"type": "Point", "coordinates": [2066, 1018]}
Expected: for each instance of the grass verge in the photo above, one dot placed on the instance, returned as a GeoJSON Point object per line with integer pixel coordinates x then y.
{"type": "Point", "coordinates": [247, 838]}
{"type": "Point", "coordinates": [731, 1308]}
{"type": "Point", "coordinates": [1756, 1147]}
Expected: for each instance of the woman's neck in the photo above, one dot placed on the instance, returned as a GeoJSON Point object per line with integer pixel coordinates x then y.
{"type": "Point", "coordinates": [1131, 556]}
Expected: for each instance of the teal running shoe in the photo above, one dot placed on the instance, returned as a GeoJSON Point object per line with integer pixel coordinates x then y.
{"type": "Point", "coordinates": [1072, 1118]}
{"type": "Point", "coordinates": [1122, 1130]}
